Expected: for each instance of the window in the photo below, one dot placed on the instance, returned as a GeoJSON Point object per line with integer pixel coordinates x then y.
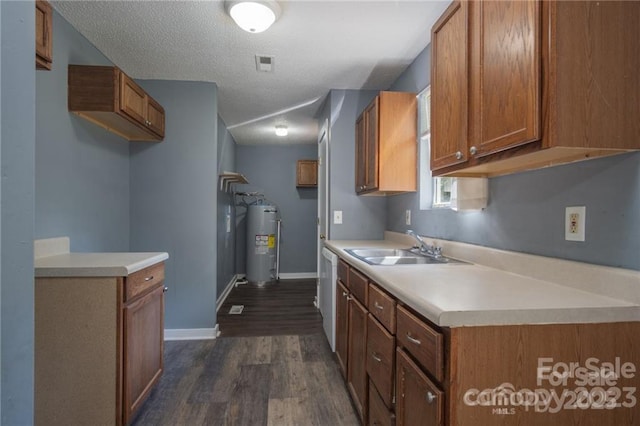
{"type": "Point", "coordinates": [434, 192]}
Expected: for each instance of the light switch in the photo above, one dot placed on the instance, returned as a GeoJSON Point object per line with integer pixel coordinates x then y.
{"type": "Point", "coordinates": [337, 217]}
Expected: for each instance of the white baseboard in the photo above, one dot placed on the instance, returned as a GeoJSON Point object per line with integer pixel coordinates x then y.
{"type": "Point", "coordinates": [227, 290]}
{"type": "Point", "coordinates": [298, 275]}
{"type": "Point", "coordinates": [191, 333]}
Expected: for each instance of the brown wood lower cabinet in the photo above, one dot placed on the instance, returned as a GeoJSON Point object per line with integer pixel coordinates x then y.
{"type": "Point", "coordinates": [143, 347]}
{"type": "Point", "coordinates": [439, 372]}
{"type": "Point", "coordinates": [419, 402]}
{"type": "Point", "coordinates": [342, 327]}
{"type": "Point", "coordinates": [98, 346]}
{"type": "Point", "coordinates": [356, 371]}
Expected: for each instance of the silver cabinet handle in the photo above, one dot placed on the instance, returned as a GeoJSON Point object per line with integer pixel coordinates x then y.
{"type": "Point", "coordinates": [431, 397]}
{"type": "Point", "coordinates": [378, 306]}
{"type": "Point", "coordinates": [458, 155]}
{"type": "Point", "coordinates": [413, 340]}
{"type": "Point", "coordinates": [349, 297]}
{"type": "Point", "coordinates": [376, 357]}
{"type": "Point", "coordinates": [149, 278]}
{"type": "Point", "coordinates": [164, 290]}
{"type": "Point", "coordinates": [344, 294]}
{"type": "Point", "coordinates": [473, 150]}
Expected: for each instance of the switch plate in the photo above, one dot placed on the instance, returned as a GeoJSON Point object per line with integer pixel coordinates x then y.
{"type": "Point", "coordinates": [574, 223]}
{"type": "Point", "coordinates": [228, 223]}
{"type": "Point", "coordinates": [407, 217]}
{"type": "Point", "coordinates": [337, 217]}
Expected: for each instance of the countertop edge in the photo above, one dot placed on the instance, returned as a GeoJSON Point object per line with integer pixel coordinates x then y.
{"type": "Point", "coordinates": [121, 269]}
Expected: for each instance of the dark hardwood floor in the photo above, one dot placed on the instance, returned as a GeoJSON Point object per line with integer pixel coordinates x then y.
{"type": "Point", "coordinates": [284, 307]}
{"type": "Point", "coordinates": [288, 376]}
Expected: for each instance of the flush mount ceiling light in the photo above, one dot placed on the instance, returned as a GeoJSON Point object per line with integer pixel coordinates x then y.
{"type": "Point", "coordinates": [253, 16]}
{"type": "Point", "coordinates": [282, 130]}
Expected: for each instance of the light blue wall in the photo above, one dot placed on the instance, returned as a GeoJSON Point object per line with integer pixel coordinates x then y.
{"type": "Point", "coordinates": [364, 217]}
{"type": "Point", "coordinates": [526, 210]}
{"type": "Point", "coordinates": [17, 137]}
{"type": "Point", "coordinates": [271, 170]}
{"type": "Point", "coordinates": [82, 170]}
{"type": "Point", "coordinates": [226, 240]}
{"type": "Point", "coordinates": [174, 199]}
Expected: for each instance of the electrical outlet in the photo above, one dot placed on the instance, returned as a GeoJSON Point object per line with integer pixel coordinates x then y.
{"type": "Point", "coordinates": [574, 223]}
{"type": "Point", "coordinates": [407, 217]}
{"type": "Point", "coordinates": [337, 217]}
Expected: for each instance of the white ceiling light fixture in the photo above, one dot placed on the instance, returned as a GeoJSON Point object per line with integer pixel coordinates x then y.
{"type": "Point", "coordinates": [282, 130]}
{"type": "Point", "coordinates": [254, 16]}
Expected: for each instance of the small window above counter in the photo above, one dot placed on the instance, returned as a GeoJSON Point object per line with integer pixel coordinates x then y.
{"type": "Point", "coordinates": [109, 98]}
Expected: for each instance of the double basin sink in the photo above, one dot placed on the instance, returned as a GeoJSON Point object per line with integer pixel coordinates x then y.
{"type": "Point", "coordinates": [391, 257]}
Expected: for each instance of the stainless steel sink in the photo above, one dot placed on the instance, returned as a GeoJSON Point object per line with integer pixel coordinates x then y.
{"type": "Point", "coordinates": [390, 257]}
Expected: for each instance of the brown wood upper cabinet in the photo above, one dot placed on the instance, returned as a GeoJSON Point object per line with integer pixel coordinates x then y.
{"type": "Point", "coordinates": [307, 173]}
{"type": "Point", "coordinates": [44, 35]}
{"type": "Point", "coordinates": [386, 146]}
{"type": "Point", "coordinates": [518, 85]}
{"type": "Point", "coordinates": [109, 98]}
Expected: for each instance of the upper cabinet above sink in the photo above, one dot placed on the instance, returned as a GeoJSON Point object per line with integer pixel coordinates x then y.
{"type": "Point", "coordinates": [518, 85]}
{"type": "Point", "coordinates": [109, 98]}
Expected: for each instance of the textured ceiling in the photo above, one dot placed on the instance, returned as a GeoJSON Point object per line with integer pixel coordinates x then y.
{"type": "Point", "coordinates": [318, 46]}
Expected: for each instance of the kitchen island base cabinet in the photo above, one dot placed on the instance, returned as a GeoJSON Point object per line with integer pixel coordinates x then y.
{"type": "Point", "coordinates": [98, 346]}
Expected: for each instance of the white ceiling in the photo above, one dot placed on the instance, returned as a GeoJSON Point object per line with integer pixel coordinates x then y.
{"type": "Point", "coordinates": [318, 46]}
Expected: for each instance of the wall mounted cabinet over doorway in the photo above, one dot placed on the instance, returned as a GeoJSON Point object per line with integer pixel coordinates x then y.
{"type": "Point", "coordinates": [44, 35]}
{"type": "Point", "coordinates": [109, 98]}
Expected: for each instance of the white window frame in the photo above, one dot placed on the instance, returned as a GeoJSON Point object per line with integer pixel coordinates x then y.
{"type": "Point", "coordinates": [432, 194]}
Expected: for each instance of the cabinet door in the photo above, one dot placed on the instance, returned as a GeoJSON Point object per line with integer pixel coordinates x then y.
{"type": "Point", "coordinates": [449, 87]}
{"type": "Point", "coordinates": [44, 33]}
{"type": "Point", "coordinates": [419, 402]}
{"type": "Point", "coordinates": [357, 370]}
{"type": "Point", "coordinates": [381, 359]}
{"type": "Point", "coordinates": [133, 100]}
{"type": "Point", "coordinates": [342, 324]}
{"type": "Point", "coordinates": [307, 173]}
{"type": "Point", "coordinates": [505, 76]}
{"type": "Point", "coordinates": [143, 346]}
{"type": "Point", "coordinates": [155, 115]}
{"type": "Point", "coordinates": [361, 156]}
{"type": "Point", "coordinates": [372, 117]}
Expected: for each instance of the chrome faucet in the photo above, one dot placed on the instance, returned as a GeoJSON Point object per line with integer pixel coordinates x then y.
{"type": "Point", "coordinates": [425, 248]}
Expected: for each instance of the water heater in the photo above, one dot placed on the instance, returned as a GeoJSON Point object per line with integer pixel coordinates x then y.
{"type": "Point", "coordinates": [262, 243]}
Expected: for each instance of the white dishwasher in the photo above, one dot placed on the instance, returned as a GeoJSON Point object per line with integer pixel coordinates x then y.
{"type": "Point", "coordinates": [327, 294]}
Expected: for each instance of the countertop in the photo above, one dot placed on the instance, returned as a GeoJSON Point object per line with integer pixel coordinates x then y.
{"type": "Point", "coordinates": [95, 264]}
{"type": "Point", "coordinates": [458, 295]}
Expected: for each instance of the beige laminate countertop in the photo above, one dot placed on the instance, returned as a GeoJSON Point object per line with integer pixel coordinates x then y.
{"type": "Point", "coordinates": [458, 295]}
{"type": "Point", "coordinates": [95, 264]}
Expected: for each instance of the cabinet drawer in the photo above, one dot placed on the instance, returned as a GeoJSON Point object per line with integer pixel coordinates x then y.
{"type": "Point", "coordinates": [358, 284]}
{"type": "Point", "coordinates": [383, 307]}
{"type": "Point", "coordinates": [421, 341]}
{"type": "Point", "coordinates": [343, 272]}
{"type": "Point", "coordinates": [142, 281]}
{"type": "Point", "coordinates": [379, 415]}
{"type": "Point", "coordinates": [380, 359]}
{"type": "Point", "coordinates": [419, 401]}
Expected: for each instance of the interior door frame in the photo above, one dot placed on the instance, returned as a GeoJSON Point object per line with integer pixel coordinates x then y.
{"type": "Point", "coordinates": [323, 189]}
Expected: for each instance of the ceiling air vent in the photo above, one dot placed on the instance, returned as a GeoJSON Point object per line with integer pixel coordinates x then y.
{"type": "Point", "coordinates": [264, 63]}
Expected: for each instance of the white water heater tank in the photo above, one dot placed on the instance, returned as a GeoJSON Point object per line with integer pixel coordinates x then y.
{"type": "Point", "coordinates": [262, 242]}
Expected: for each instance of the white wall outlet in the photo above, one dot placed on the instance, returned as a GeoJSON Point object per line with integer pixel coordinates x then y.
{"type": "Point", "coordinates": [574, 223]}
{"type": "Point", "coordinates": [407, 217]}
{"type": "Point", "coordinates": [337, 217]}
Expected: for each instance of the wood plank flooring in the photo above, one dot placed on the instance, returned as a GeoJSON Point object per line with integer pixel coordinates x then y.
{"type": "Point", "coordinates": [272, 380]}
{"type": "Point", "coordinates": [284, 307]}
